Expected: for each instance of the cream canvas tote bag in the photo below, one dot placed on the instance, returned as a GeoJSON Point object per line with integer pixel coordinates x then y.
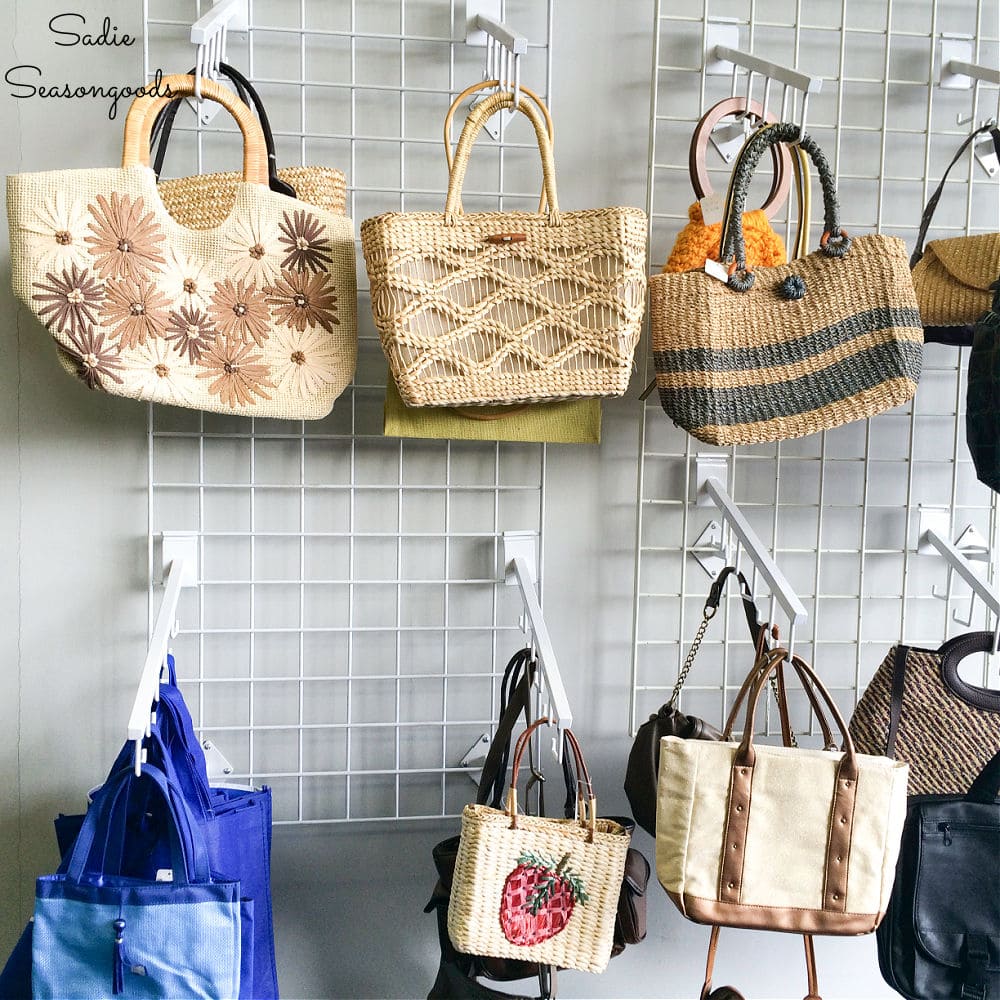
{"type": "Point", "coordinates": [778, 838]}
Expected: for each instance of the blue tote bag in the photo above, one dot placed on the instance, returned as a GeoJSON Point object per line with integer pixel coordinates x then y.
{"type": "Point", "coordinates": [236, 825]}
{"type": "Point", "coordinates": [98, 934]}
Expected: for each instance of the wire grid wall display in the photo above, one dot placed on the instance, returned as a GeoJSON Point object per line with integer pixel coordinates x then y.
{"type": "Point", "coordinates": [839, 509]}
{"type": "Point", "coordinates": [343, 645]}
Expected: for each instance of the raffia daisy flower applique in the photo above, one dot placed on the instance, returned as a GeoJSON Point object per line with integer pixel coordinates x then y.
{"type": "Point", "coordinates": [135, 311]}
{"type": "Point", "coordinates": [309, 362]}
{"type": "Point", "coordinates": [57, 232]}
{"type": "Point", "coordinates": [186, 280]}
{"type": "Point", "coordinates": [253, 251]}
{"type": "Point", "coordinates": [70, 302]}
{"type": "Point", "coordinates": [154, 372]}
{"type": "Point", "coordinates": [302, 300]}
{"type": "Point", "coordinates": [237, 374]}
{"type": "Point", "coordinates": [306, 246]}
{"type": "Point", "coordinates": [240, 311]}
{"type": "Point", "coordinates": [125, 237]}
{"type": "Point", "coordinates": [95, 360]}
{"type": "Point", "coordinates": [190, 332]}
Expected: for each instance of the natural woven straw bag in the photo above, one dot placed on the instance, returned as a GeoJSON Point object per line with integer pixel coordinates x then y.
{"type": "Point", "coordinates": [778, 838]}
{"type": "Point", "coordinates": [919, 709]}
{"type": "Point", "coordinates": [506, 307]}
{"type": "Point", "coordinates": [543, 890]}
{"type": "Point", "coordinates": [952, 277]}
{"type": "Point", "coordinates": [781, 352]}
{"type": "Point", "coordinates": [203, 201]}
{"type": "Point", "coordinates": [257, 317]}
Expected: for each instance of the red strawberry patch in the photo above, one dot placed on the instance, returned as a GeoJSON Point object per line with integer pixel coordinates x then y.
{"type": "Point", "coordinates": [538, 899]}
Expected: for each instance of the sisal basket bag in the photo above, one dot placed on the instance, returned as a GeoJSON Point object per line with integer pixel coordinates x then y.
{"type": "Point", "coordinates": [538, 889]}
{"type": "Point", "coordinates": [781, 352]}
{"type": "Point", "coordinates": [257, 317]}
{"type": "Point", "coordinates": [507, 307]}
{"type": "Point", "coordinates": [778, 838]}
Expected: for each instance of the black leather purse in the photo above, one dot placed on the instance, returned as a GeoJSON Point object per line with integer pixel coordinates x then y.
{"type": "Point", "coordinates": [940, 939]}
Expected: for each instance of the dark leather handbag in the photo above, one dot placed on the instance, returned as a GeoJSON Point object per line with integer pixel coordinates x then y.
{"type": "Point", "coordinates": [644, 758]}
{"type": "Point", "coordinates": [457, 971]}
{"type": "Point", "coordinates": [940, 939]}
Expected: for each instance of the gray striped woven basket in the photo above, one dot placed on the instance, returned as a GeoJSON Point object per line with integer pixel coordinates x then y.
{"type": "Point", "coordinates": [781, 352]}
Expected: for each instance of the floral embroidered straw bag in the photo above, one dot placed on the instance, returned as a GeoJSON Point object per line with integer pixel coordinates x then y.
{"type": "Point", "coordinates": [256, 317]}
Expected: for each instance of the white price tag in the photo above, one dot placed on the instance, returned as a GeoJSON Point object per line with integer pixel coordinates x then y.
{"type": "Point", "coordinates": [164, 875]}
{"type": "Point", "coordinates": [716, 270]}
{"type": "Point", "coordinates": [712, 207]}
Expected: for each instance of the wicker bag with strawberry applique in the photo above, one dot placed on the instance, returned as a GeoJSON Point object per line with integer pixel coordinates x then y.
{"type": "Point", "coordinates": [553, 883]}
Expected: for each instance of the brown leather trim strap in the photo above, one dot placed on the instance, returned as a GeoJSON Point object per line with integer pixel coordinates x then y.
{"type": "Point", "coordinates": [811, 969]}
{"type": "Point", "coordinates": [775, 918]}
{"type": "Point", "coordinates": [838, 851]}
{"type": "Point", "coordinates": [713, 946]}
{"type": "Point", "coordinates": [734, 845]}
{"type": "Point", "coordinates": [896, 697]}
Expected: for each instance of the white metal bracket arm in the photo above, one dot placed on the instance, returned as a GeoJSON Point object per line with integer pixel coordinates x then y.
{"type": "Point", "coordinates": [933, 539]}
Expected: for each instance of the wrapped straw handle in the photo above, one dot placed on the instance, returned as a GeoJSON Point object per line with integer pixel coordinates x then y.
{"type": "Point", "coordinates": [835, 241]}
{"type": "Point", "coordinates": [587, 803]}
{"type": "Point", "coordinates": [143, 111]}
{"type": "Point", "coordinates": [490, 85]}
{"type": "Point", "coordinates": [473, 126]}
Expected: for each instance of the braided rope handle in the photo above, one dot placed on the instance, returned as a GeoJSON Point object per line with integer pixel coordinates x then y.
{"type": "Point", "coordinates": [835, 242]}
{"type": "Point", "coordinates": [144, 109]}
{"type": "Point", "coordinates": [473, 126]}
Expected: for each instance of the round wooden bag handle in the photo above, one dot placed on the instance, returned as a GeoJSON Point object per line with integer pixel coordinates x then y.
{"type": "Point", "coordinates": [699, 146]}
{"type": "Point", "coordinates": [143, 111]}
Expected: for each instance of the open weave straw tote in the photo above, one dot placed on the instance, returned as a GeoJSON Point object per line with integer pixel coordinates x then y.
{"type": "Point", "coordinates": [781, 352]}
{"type": "Point", "coordinates": [256, 317]}
{"type": "Point", "coordinates": [506, 307]}
{"type": "Point", "coordinates": [538, 889]}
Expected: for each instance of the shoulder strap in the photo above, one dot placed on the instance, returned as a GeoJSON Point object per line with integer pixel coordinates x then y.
{"type": "Point", "coordinates": [932, 202]}
{"type": "Point", "coordinates": [896, 697]}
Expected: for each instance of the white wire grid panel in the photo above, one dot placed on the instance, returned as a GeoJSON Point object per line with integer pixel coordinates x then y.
{"type": "Point", "coordinates": [344, 643]}
{"type": "Point", "coordinates": [838, 509]}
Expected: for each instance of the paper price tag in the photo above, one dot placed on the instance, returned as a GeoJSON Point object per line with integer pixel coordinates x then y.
{"type": "Point", "coordinates": [716, 270]}
{"type": "Point", "coordinates": [164, 875]}
{"type": "Point", "coordinates": [712, 207]}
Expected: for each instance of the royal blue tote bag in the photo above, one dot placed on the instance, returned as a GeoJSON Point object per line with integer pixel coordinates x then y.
{"type": "Point", "coordinates": [99, 934]}
{"type": "Point", "coordinates": [236, 824]}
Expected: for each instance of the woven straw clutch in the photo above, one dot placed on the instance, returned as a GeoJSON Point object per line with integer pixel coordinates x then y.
{"type": "Point", "coordinates": [505, 307]}
{"type": "Point", "coordinates": [953, 279]}
{"type": "Point", "coordinates": [781, 352]}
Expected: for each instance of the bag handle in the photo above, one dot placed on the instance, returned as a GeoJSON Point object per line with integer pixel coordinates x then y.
{"type": "Point", "coordinates": [834, 243]}
{"type": "Point", "coordinates": [98, 822]}
{"type": "Point", "coordinates": [732, 994]}
{"type": "Point", "coordinates": [247, 93]}
{"type": "Point", "coordinates": [480, 115]}
{"type": "Point", "coordinates": [746, 756]}
{"type": "Point", "coordinates": [932, 202]}
{"type": "Point", "coordinates": [144, 109]}
{"type": "Point", "coordinates": [986, 787]}
{"type": "Point", "coordinates": [587, 804]}
{"type": "Point", "coordinates": [700, 138]}
{"type": "Point", "coordinates": [448, 118]}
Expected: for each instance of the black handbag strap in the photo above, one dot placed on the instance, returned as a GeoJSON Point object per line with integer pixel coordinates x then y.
{"type": "Point", "coordinates": [896, 697]}
{"type": "Point", "coordinates": [162, 127]}
{"type": "Point", "coordinates": [932, 202]}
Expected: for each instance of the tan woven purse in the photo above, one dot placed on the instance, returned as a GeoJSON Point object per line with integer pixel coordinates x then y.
{"type": "Point", "coordinates": [780, 352]}
{"type": "Point", "coordinates": [256, 317]}
{"type": "Point", "coordinates": [507, 307]}
{"type": "Point", "coordinates": [952, 277]}
{"type": "Point", "coordinates": [539, 889]}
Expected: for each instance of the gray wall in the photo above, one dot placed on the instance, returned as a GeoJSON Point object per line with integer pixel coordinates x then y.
{"type": "Point", "coordinates": [72, 591]}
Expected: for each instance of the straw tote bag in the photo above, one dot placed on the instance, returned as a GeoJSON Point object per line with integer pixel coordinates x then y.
{"type": "Point", "coordinates": [202, 201]}
{"type": "Point", "coordinates": [952, 277]}
{"type": "Point", "coordinates": [507, 307]}
{"type": "Point", "coordinates": [778, 838]}
{"type": "Point", "coordinates": [257, 317]}
{"type": "Point", "coordinates": [781, 352]}
{"type": "Point", "coordinates": [543, 890]}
